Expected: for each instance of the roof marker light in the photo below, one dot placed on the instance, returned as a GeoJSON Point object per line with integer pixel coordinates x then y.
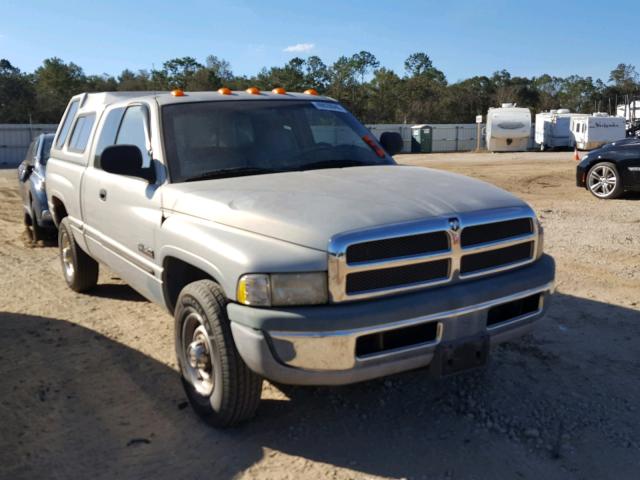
{"type": "Point", "coordinates": [224, 91]}
{"type": "Point", "coordinates": [279, 91]}
{"type": "Point", "coordinates": [178, 92]}
{"type": "Point", "coordinates": [253, 90]}
{"type": "Point", "coordinates": [311, 91]}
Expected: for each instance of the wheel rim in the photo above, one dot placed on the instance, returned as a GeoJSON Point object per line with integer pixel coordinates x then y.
{"type": "Point", "coordinates": [67, 256]}
{"type": "Point", "coordinates": [602, 180]}
{"type": "Point", "coordinates": [197, 354]}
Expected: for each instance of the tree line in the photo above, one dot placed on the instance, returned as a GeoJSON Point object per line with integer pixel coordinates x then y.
{"type": "Point", "coordinates": [374, 93]}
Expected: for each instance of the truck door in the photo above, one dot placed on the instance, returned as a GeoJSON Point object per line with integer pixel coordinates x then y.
{"type": "Point", "coordinates": [122, 213]}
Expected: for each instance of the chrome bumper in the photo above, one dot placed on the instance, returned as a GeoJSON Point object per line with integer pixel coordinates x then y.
{"type": "Point", "coordinates": [329, 357]}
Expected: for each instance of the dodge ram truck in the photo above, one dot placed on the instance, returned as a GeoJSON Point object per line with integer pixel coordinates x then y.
{"type": "Point", "coordinates": [287, 243]}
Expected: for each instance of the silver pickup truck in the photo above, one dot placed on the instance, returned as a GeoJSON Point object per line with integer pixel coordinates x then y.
{"type": "Point", "coordinates": [287, 243]}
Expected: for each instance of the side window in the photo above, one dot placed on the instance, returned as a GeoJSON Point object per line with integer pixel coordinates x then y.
{"type": "Point", "coordinates": [66, 124]}
{"type": "Point", "coordinates": [132, 131]}
{"type": "Point", "coordinates": [81, 132]}
{"type": "Point", "coordinates": [108, 133]}
{"type": "Point", "coordinates": [46, 150]}
{"type": "Point", "coordinates": [328, 128]}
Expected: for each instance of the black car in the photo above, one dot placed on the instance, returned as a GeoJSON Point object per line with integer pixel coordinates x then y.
{"type": "Point", "coordinates": [611, 170]}
{"type": "Point", "coordinates": [31, 176]}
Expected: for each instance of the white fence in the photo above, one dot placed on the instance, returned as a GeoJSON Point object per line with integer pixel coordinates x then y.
{"type": "Point", "coordinates": [15, 139]}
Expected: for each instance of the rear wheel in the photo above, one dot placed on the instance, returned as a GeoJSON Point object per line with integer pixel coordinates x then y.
{"type": "Point", "coordinates": [603, 181]}
{"type": "Point", "coordinates": [220, 387]}
{"type": "Point", "coordinates": [79, 269]}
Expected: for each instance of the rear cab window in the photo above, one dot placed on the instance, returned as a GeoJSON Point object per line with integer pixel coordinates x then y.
{"type": "Point", "coordinates": [66, 124]}
{"type": "Point", "coordinates": [81, 133]}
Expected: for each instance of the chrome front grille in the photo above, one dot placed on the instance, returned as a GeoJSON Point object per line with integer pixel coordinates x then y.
{"type": "Point", "coordinates": [404, 257]}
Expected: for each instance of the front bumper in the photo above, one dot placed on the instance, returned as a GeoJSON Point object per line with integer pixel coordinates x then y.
{"type": "Point", "coordinates": [318, 345]}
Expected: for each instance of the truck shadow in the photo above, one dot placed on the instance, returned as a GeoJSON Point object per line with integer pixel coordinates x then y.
{"type": "Point", "coordinates": [75, 403]}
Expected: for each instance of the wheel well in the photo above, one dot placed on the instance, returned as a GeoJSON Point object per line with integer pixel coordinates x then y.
{"type": "Point", "coordinates": [59, 210]}
{"type": "Point", "coordinates": [176, 275]}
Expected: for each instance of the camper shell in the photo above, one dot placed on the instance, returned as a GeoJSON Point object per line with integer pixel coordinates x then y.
{"type": "Point", "coordinates": [508, 128]}
{"type": "Point", "coordinates": [593, 131]}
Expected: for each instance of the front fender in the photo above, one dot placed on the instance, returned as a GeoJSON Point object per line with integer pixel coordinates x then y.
{"type": "Point", "coordinates": [226, 253]}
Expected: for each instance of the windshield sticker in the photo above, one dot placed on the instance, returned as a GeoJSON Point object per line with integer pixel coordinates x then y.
{"type": "Point", "coordinates": [333, 107]}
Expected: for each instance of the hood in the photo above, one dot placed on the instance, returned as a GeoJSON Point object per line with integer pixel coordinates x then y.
{"type": "Point", "coordinates": [309, 207]}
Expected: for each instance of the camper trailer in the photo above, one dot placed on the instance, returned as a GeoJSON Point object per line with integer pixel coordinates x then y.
{"type": "Point", "coordinates": [593, 131]}
{"type": "Point", "coordinates": [553, 129]}
{"type": "Point", "coordinates": [508, 128]}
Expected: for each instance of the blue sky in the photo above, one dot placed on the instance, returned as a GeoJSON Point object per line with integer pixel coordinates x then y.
{"type": "Point", "coordinates": [463, 38]}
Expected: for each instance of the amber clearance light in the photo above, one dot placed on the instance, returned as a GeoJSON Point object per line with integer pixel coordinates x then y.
{"type": "Point", "coordinates": [279, 91]}
{"type": "Point", "coordinates": [177, 92]}
{"type": "Point", "coordinates": [311, 91]}
{"type": "Point", "coordinates": [253, 90]}
{"type": "Point", "coordinates": [224, 91]}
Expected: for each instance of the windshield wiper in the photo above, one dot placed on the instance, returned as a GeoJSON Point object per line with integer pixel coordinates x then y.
{"type": "Point", "coordinates": [230, 172]}
{"type": "Point", "coordinates": [332, 164]}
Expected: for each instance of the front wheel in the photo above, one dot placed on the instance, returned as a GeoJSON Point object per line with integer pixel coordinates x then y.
{"type": "Point", "coordinates": [220, 387]}
{"type": "Point", "coordinates": [603, 181]}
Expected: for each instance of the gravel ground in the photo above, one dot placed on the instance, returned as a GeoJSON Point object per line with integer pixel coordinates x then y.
{"type": "Point", "coordinates": [89, 388]}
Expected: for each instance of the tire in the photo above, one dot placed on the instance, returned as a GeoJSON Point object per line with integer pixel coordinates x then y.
{"type": "Point", "coordinates": [220, 387]}
{"type": "Point", "coordinates": [80, 271]}
{"type": "Point", "coordinates": [35, 233]}
{"type": "Point", "coordinates": [603, 181]}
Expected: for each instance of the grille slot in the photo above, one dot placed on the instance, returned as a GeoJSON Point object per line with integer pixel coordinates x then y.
{"type": "Point", "coordinates": [421, 244]}
{"type": "Point", "coordinates": [397, 276]}
{"type": "Point", "coordinates": [496, 258]}
{"type": "Point", "coordinates": [398, 338]}
{"type": "Point", "coordinates": [492, 232]}
{"type": "Point", "coordinates": [511, 310]}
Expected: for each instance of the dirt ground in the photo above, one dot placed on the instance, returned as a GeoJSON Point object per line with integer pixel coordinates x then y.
{"type": "Point", "coordinates": [89, 388]}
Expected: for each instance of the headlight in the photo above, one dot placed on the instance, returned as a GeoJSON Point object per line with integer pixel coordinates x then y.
{"type": "Point", "coordinates": [540, 247]}
{"type": "Point", "coordinates": [280, 289]}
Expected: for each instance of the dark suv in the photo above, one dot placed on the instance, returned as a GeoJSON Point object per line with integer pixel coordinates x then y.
{"type": "Point", "coordinates": [31, 176]}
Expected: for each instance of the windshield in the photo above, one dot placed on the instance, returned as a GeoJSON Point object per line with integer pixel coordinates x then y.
{"type": "Point", "coordinates": [233, 138]}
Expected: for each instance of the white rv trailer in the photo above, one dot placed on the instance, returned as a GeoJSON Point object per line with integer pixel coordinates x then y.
{"type": "Point", "coordinates": [508, 128]}
{"type": "Point", "coordinates": [553, 129]}
{"type": "Point", "coordinates": [593, 131]}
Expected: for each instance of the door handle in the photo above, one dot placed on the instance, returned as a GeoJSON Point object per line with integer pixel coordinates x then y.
{"type": "Point", "coordinates": [103, 195]}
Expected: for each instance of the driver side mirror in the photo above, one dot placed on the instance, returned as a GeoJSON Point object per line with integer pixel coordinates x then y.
{"type": "Point", "coordinates": [392, 142]}
{"type": "Point", "coordinates": [24, 171]}
{"type": "Point", "coordinates": [126, 160]}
